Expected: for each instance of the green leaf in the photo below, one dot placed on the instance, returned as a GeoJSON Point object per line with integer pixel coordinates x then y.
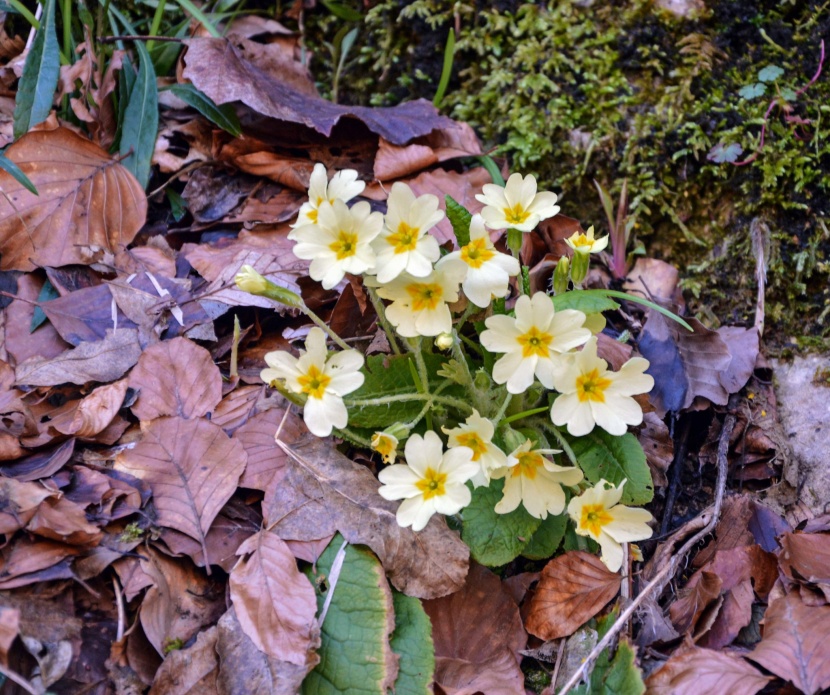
{"type": "Point", "coordinates": [495, 539]}
{"type": "Point", "coordinates": [751, 91]}
{"type": "Point", "coordinates": [412, 641]}
{"type": "Point", "coordinates": [585, 301]}
{"type": "Point", "coordinates": [343, 12]}
{"type": "Point", "coordinates": [40, 75]}
{"type": "Point", "coordinates": [446, 70]}
{"type": "Point", "coordinates": [460, 219]}
{"type": "Point", "coordinates": [354, 653]}
{"type": "Point", "coordinates": [545, 541]}
{"type": "Point", "coordinates": [492, 168]}
{"type": "Point", "coordinates": [47, 292]}
{"type": "Point", "coordinates": [770, 73]}
{"type": "Point", "coordinates": [639, 300]}
{"type": "Point", "coordinates": [177, 205]}
{"type": "Point", "coordinates": [141, 119]}
{"type": "Point", "coordinates": [10, 167]}
{"type": "Point", "coordinates": [602, 455]}
{"type": "Point", "coordinates": [620, 676]}
{"type": "Point", "coordinates": [789, 94]}
{"type": "Point", "coordinates": [223, 116]}
{"type": "Point", "coordinates": [201, 17]}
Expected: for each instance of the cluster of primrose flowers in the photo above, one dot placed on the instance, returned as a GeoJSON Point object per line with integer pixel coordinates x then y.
{"type": "Point", "coordinates": [540, 351]}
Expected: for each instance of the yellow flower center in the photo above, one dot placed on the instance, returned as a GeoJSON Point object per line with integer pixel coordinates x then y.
{"type": "Point", "coordinates": [594, 517]}
{"type": "Point", "coordinates": [385, 446]}
{"type": "Point", "coordinates": [535, 342]}
{"type": "Point", "coordinates": [425, 295]}
{"type": "Point", "coordinates": [405, 239]}
{"type": "Point", "coordinates": [475, 254]}
{"type": "Point", "coordinates": [314, 382]}
{"type": "Point", "coordinates": [432, 484]}
{"type": "Point", "coordinates": [312, 215]}
{"type": "Point", "coordinates": [345, 245]}
{"type": "Point", "coordinates": [529, 463]}
{"type": "Point", "coordinates": [581, 240]}
{"type": "Point", "coordinates": [472, 441]}
{"type": "Point", "coordinates": [591, 386]}
{"type": "Point", "coordinates": [517, 214]}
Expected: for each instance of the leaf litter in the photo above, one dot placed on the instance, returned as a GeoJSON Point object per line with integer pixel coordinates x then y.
{"type": "Point", "coordinates": [149, 513]}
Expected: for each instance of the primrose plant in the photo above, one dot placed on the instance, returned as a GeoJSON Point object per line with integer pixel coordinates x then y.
{"type": "Point", "coordinates": [494, 407]}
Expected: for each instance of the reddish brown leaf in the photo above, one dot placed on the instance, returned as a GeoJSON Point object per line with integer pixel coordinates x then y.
{"type": "Point", "coordinates": [658, 446]}
{"type": "Point", "coordinates": [808, 554]}
{"type": "Point", "coordinates": [266, 461]}
{"type": "Point", "coordinates": [192, 467]}
{"type": "Point", "coordinates": [323, 492]}
{"type": "Point", "coordinates": [20, 342]}
{"type": "Point", "coordinates": [703, 588]}
{"type": "Point", "coordinates": [234, 409]}
{"type": "Point", "coordinates": [190, 671]}
{"type": "Point", "coordinates": [18, 503]}
{"type": "Point", "coordinates": [735, 613]}
{"type": "Point", "coordinates": [175, 377]}
{"type": "Point", "coordinates": [93, 413]}
{"type": "Point", "coordinates": [59, 519]}
{"type": "Point", "coordinates": [573, 588]}
{"type": "Point", "coordinates": [652, 279]}
{"type": "Point", "coordinates": [796, 643]}
{"type": "Point", "coordinates": [42, 464]}
{"type": "Point", "coordinates": [696, 671]}
{"type": "Point", "coordinates": [275, 602]}
{"type": "Point", "coordinates": [477, 633]}
{"type": "Point", "coordinates": [86, 199]}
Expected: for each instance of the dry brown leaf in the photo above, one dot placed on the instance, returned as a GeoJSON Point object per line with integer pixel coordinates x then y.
{"type": "Point", "coordinates": [190, 671]}
{"type": "Point", "coordinates": [94, 412]}
{"type": "Point", "coordinates": [236, 408]}
{"type": "Point", "coordinates": [696, 671]}
{"type": "Point", "coordinates": [59, 519]}
{"type": "Point", "coordinates": [266, 460]}
{"type": "Point", "coordinates": [180, 602]}
{"type": "Point", "coordinates": [175, 377]}
{"type": "Point", "coordinates": [18, 503]}
{"type": "Point", "coordinates": [323, 492]}
{"type": "Point", "coordinates": [20, 343]}
{"type": "Point", "coordinates": [193, 468]}
{"type": "Point", "coordinates": [478, 634]}
{"type": "Point", "coordinates": [224, 538]}
{"type": "Point", "coordinates": [216, 67]}
{"type": "Point", "coordinates": [734, 614]}
{"type": "Point", "coordinates": [692, 600]}
{"type": "Point", "coordinates": [86, 199]}
{"type": "Point", "coordinates": [30, 561]}
{"type": "Point", "coordinates": [245, 670]}
{"type": "Point", "coordinates": [275, 602]}
{"type": "Point", "coordinates": [658, 446]}
{"type": "Point", "coordinates": [573, 588]}
{"type": "Point", "coordinates": [9, 629]}
{"type": "Point", "coordinates": [103, 361]}
{"type": "Point", "coordinates": [796, 643]}
{"type": "Point", "coordinates": [806, 556]}
{"type": "Point", "coordinates": [652, 279]}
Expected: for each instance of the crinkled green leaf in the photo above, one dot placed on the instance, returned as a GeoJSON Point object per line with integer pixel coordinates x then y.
{"type": "Point", "coordinates": [751, 91]}
{"type": "Point", "coordinates": [495, 539]}
{"type": "Point", "coordinates": [141, 119]}
{"type": "Point", "coordinates": [547, 538]}
{"type": "Point", "coordinates": [584, 301]}
{"type": "Point", "coordinates": [460, 219]}
{"type": "Point", "coordinates": [770, 73]}
{"type": "Point", "coordinates": [602, 455]}
{"type": "Point", "coordinates": [40, 75]}
{"type": "Point", "coordinates": [412, 641]}
{"type": "Point", "coordinates": [223, 116]}
{"type": "Point", "coordinates": [355, 656]}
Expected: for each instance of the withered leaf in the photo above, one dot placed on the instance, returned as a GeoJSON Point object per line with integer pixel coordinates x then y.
{"type": "Point", "coordinates": [190, 671]}
{"type": "Point", "coordinates": [808, 554]}
{"type": "Point", "coordinates": [19, 502]}
{"type": "Point", "coordinates": [180, 602]}
{"type": "Point", "coordinates": [175, 377]}
{"type": "Point", "coordinates": [215, 67]}
{"type": "Point", "coordinates": [573, 588]}
{"type": "Point", "coordinates": [192, 467]}
{"type": "Point", "coordinates": [796, 643]}
{"type": "Point", "coordinates": [323, 492]}
{"type": "Point", "coordinates": [60, 519]}
{"type": "Point", "coordinates": [703, 588]}
{"type": "Point", "coordinates": [94, 412]}
{"type": "Point", "coordinates": [696, 671]}
{"type": "Point", "coordinates": [103, 361]}
{"type": "Point", "coordinates": [234, 409]}
{"type": "Point", "coordinates": [477, 633]}
{"type": "Point", "coordinates": [266, 460]}
{"type": "Point", "coordinates": [86, 199]}
{"type": "Point", "coordinates": [275, 603]}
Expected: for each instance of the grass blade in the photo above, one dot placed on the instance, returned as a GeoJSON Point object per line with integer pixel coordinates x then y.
{"type": "Point", "coordinates": [223, 116]}
{"type": "Point", "coordinates": [9, 166]}
{"type": "Point", "coordinates": [141, 118]}
{"type": "Point", "coordinates": [446, 71]}
{"type": "Point", "coordinates": [200, 16]}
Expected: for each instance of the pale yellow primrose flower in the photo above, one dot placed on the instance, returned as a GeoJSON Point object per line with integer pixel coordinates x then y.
{"type": "Point", "coordinates": [339, 243]}
{"type": "Point", "coordinates": [533, 341]}
{"type": "Point", "coordinates": [597, 514]}
{"type": "Point", "coordinates": [534, 481]}
{"type": "Point", "coordinates": [594, 395]}
{"type": "Point", "coordinates": [419, 305]}
{"type": "Point", "coordinates": [431, 481]}
{"type": "Point", "coordinates": [585, 242]}
{"type": "Point", "coordinates": [404, 244]}
{"type": "Point", "coordinates": [488, 271]}
{"type": "Point", "coordinates": [343, 186]}
{"type": "Point", "coordinates": [517, 205]}
{"type": "Point", "coordinates": [322, 376]}
{"type": "Point", "coordinates": [477, 435]}
{"type": "Point", "coordinates": [386, 445]}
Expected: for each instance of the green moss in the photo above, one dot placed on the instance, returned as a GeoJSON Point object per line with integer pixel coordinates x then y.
{"type": "Point", "coordinates": [574, 92]}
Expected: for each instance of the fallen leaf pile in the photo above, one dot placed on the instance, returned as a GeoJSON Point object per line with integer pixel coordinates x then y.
{"type": "Point", "coordinates": [156, 537]}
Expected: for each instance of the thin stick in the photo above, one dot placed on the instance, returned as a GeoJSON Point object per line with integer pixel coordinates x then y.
{"type": "Point", "coordinates": [559, 658]}
{"type": "Point", "coordinates": [667, 571]}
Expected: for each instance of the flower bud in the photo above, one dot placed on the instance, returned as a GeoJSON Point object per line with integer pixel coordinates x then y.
{"type": "Point", "coordinates": [561, 276]}
{"type": "Point", "coordinates": [250, 281]}
{"type": "Point", "coordinates": [444, 341]}
{"type": "Point", "coordinates": [579, 267]}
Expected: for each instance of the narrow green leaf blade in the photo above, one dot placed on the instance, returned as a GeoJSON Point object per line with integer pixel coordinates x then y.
{"type": "Point", "coordinates": [201, 17]}
{"type": "Point", "coordinates": [47, 292]}
{"type": "Point", "coordinates": [412, 641]}
{"type": "Point", "coordinates": [10, 167]}
{"type": "Point", "coordinates": [495, 539]}
{"type": "Point", "coordinates": [584, 301]}
{"type": "Point", "coordinates": [223, 116]}
{"type": "Point", "coordinates": [460, 219]}
{"type": "Point", "coordinates": [40, 75]}
{"type": "Point", "coordinates": [141, 119]}
{"type": "Point", "coordinates": [639, 300]}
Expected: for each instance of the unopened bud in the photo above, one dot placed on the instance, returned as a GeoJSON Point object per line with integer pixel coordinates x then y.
{"type": "Point", "coordinates": [561, 276]}
{"type": "Point", "coordinates": [250, 281]}
{"type": "Point", "coordinates": [579, 267]}
{"type": "Point", "coordinates": [444, 341]}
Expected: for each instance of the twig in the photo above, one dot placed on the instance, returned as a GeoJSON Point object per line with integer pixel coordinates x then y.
{"type": "Point", "coordinates": [559, 658]}
{"type": "Point", "coordinates": [119, 603]}
{"type": "Point", "coordinates": [20, 680]}
{"type": "Point", "coordinates": [667, 571]}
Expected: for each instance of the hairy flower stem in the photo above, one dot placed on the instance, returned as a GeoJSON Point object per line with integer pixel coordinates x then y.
{"type": "Point", "coordinates": [524, 414]}
{"type": "Point", "coordinates": [377, 303]}
{"type": "Point", "coordinates": [503, 409]}
{"type": "Point", "coordinates": [404, 397]}
{"type": "Point", "coordinates": [549, 427]}
{"type": "Point", "coordinates": [322, 324]}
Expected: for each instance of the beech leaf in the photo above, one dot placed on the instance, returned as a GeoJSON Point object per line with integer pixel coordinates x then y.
{"type": "Point", "coordinates": [697, 670]}
{"type": "Point", "coordinates": [192, 467]}
{"type": "Point", "coordinates": [190, 671]}
{"type": "Point", "coordinates": [86, 199]}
